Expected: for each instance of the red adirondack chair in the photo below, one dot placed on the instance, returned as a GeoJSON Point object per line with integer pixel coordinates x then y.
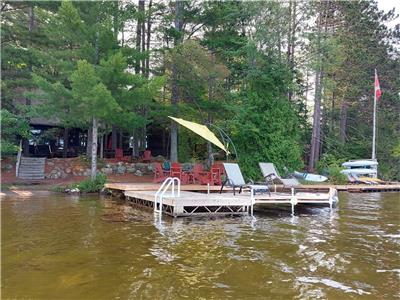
{"type": "Point", "coordinates": [147, 156]}
{"type": "Point", "coordinates": [119, 154]}
{"type": "Point", "coordinates": [176, 171]}
{"type": "Point", "coordinates": [215, 174]}
{"type": "Point", "coordinates": [200, 175]}
{"type": "Point", "coordinates": [159, 173]}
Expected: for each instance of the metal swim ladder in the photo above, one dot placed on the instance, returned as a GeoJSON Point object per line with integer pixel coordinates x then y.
{"type": "Point", "coordinates": [169, 182]}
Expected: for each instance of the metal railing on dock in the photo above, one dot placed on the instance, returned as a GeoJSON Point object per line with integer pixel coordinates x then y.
{"type": "Point", "coordinates": [169, 182]}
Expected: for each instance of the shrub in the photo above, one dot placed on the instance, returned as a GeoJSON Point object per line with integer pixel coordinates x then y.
{"type": "Point", "coordinates": [91, 186]}
{"type": "Point", "coordinates": [327, 161]}
{"type": "Point", "coordinates": [87, 160]}
{"type": "Point", "coordinates": [335, 176]}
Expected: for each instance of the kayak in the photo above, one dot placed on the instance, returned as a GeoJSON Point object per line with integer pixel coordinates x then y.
{"type": "Point", "coordinates": [310, 177]}
{"type": "Point", "coordinates": [365, 163]}
{"type": "Point", "coordinates": [359, 171]}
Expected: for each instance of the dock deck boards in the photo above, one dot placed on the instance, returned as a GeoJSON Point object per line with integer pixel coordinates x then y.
{"type": "Point", "coordinates": [355, 188]}
{"type": "Point", "coordinates": [193, 199]}
{"type": "Point", "coordinates": [203, 200]}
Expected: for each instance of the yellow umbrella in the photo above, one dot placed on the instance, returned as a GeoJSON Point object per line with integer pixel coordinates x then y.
{"type": "Point", "coordinates": [201, 130]}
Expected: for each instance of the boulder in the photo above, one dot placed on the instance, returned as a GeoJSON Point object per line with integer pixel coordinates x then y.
{"type": "Point", "coordinates": [87, 172]}
{"type": "Point", "coordinates": [121, 169]}
{"type": "Point", "coordinates": [107, 171]}
{"type": "Point", "coordinates": [141, 166]}
{"type": "Point", "coordinates": [138, 173]}
{"type": "Point", "coordinates": [74, 191]}
{"type": "Point", "coordinates": [150, 168]}
{"type": "Point", "coordinates": [54, 175]}
{"type": "Point", "coordinates": [159, 158]}
{"type": "Point", "coordinates": [6, 166]}
{"type": "Point", "coordinates": [68, 170]}
{"type": "Point", "coordinates": [130, 170]}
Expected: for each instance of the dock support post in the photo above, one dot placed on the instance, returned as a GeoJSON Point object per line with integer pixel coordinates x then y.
{"type": "Point", "coordinates": [252, 201]}
{"type": "Point", "coordinates": [293, 201]}
{"type": "Point", "coordinates": [208, 188]}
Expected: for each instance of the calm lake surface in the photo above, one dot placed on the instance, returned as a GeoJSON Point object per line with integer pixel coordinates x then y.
{"type": "Point", "coordinates": [64, 247]}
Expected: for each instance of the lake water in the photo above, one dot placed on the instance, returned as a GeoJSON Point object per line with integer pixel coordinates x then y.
{"type": "Point", "coordinates": [64, 247]}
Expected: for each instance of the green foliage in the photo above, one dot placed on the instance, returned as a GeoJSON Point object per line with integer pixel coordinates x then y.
{"type": "Point", "coordinates": [238, 64]}
{"type": "Point", "coordinates": [92, 185]}
{"type": "Point", "coordinates": [14, 127]}
{"type": "Point", "coordinates": [91, 98]}
{"type": "Point", "coordinates": [335, 176]}
{"type": "Point", "coordinates": [327, 161]}
{"type": "Point", "coordinates": [331, 165]}
{"type": "Point", "coordinates": [265, 128]}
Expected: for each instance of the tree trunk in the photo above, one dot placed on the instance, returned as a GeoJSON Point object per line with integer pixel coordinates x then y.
{"type": "Point", "coordinates": [66, 142]}
{"type": "Point", "coordinates": [25, 147]}
{"type": "Point", "coordinates": [120, 139]}
{"type": "Point", "coordinates": [102, 146]}
{"type": "Point", "coordinates": [89, 142]}
{"type": "Point", "coordinates": [139, 35]}
{"type": "Point", "coordinates": [143, 36]}
{"type": "Point", "coordinates": [289, 37]}
{"type": "Point", "coordinates": [316, 124]}
{"type": "Point", "coordinates": [147, 67]}
{"type": "Point", "coordinates": [343, 122]}
{"type": "Point", "coordinates": [113, 137]}
{"type": "Point", "coordinates": [331, 127]}
{"type": "Point", "coordinates": [94, 148]}
{"type": "Point", "coordinates": [291, 42]}
{"type": "Point", "coordinates": [316, 130]}
{"type": "Point", "coordinates": [175, 91]}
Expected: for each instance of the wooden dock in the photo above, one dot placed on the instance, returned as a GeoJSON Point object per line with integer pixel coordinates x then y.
{"type": "Point", "coordinates": [200, 200]}
{"type": "Point", "coordinates": [351, 188]}
{"type": "Point", "coordinates": [358, 188]}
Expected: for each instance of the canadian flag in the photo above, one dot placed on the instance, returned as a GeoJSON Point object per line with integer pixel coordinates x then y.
{"type": "Point", "coordinates": [378, 91]}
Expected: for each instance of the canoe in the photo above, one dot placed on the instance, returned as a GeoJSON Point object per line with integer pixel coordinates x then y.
{"type": "Point", "coordinates": [359, 171]}
{"type": "Point", "coordinates": [360, 163]}
{"type": "Point", "coordinates": [310, 177]}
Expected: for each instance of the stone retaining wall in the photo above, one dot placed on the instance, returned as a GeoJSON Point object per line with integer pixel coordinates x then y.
{"type": "Point", "coordinates": [67, 167]}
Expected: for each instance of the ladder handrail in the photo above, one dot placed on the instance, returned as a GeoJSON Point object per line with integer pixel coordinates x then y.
{"type": "Point", "coordinates": [163, 188]}
{"type": "Point", "coordinates": [18, 163]}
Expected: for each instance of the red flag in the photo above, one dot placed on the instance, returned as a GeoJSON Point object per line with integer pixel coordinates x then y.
{"type": "Point", "coordinates": [378, 91]}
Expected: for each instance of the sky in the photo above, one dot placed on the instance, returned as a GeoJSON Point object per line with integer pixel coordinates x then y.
{"type": "Point", "coordinates": [387, 5]}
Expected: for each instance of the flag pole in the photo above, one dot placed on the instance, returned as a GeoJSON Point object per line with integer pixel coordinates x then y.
{"type": "Point", "coordinates": [374, 124]}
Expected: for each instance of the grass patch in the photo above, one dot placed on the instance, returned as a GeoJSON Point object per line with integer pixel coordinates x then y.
{"type": "Point", "coordinates": [91, 186]}
{"type": "Point", "coordinates": [85, 186]}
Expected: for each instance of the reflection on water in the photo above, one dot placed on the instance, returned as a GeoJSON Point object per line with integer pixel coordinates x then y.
{"type": "Point", "coordinates": [85, 248]}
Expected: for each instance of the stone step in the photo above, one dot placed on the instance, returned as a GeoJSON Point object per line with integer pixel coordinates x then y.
{"type": "Point", "coordinates": [30, 173]}
{"type": "Point", "coordinates": [32, 162]}
{"type": "Point", "coordinates": [31, 177]}
{"type": "Point", "coordinates": [31, 166]}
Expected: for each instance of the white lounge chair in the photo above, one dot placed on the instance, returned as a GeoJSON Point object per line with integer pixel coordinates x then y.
{"type": "Point", "coordinates": [270, 173]}
{"type": "Point", "coordinates": [234, 179]}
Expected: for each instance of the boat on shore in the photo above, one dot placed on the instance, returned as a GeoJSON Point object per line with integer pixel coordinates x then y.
{"type": "Point", "coordinates": [310, 177]}
{"type": "Point", "coordinates": [367, 167]}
